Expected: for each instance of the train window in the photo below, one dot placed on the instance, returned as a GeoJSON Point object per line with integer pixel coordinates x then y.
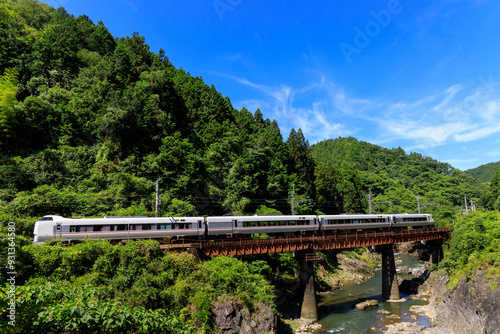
{"type": "Point", "coordinates": [47, 218]}
{"type": "Point", "coordinates": [72, 228]}
{"type": "Point", "coordinates": [146, 226]}
{"type": "Point", "coordinates": [84, 228]}
{"type": "Point", "coordinates": [273, 223]}
{"type": "Point", "coordinates": [262, 223]}
{"type": "Point", "coordinates": [136, 227]}
{"type": "Point", "coordinates": [164, 226]}
{"type": "Point", "coordinates": [121, 227]}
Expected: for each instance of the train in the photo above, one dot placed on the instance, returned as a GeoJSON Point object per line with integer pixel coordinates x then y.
{"type": "Point", "coordinates": [130, 228]}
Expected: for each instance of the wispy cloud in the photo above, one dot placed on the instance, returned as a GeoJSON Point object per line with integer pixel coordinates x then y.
{"type": "Point", "coordinates": [455, 115]}
{"type": "Point", "coordinates": [323, 110]}
{"type": "Point", "coordinates": [292, 110]}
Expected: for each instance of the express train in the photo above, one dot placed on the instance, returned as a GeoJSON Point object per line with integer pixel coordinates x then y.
{"type": "Point", "coordinates": [129, 228]}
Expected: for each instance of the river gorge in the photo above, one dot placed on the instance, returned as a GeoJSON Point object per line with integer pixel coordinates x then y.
{"type": "Point", "coordinates": [428, 304]}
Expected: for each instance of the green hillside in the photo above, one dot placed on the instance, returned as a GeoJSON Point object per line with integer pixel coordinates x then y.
{"type": "Point", "coordinates": [89, 122]}
{"type": "Point", "coordinates": [396, 178]}
{"type": "Point", "coordinates": [484, 173]}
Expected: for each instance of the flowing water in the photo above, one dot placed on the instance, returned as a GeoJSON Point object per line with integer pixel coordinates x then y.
{"type": "Point", "coordinates": [337, 314]}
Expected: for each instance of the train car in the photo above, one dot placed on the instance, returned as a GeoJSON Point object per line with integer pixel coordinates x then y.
{"type": "Point", "coordinates": [413, 219]}
{"type": "Point", "coordinates": [353, 221]}
{"type": "Point", "coordinates": [117, 228]}
{"type": "Point", "coordinates": [271, 224]}
{"type": "Point", "coordinates": [126, 228]}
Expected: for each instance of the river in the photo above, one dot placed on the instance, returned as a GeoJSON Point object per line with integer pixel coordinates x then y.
{"type": "Point", "coordinates": [337, 314]}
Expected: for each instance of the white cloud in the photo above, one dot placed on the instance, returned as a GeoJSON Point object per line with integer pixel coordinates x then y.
{"type": "Point", "coordinates": [288, 106]}
{"type": "Point", "coordinates": [457, 114]}
{"type": "Point", "coordinates": [440, 119]}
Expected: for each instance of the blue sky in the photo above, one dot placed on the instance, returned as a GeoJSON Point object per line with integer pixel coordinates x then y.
{"type": "Point", "coordinates": [421, 75]}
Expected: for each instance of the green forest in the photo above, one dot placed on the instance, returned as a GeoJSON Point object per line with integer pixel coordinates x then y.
{"type": "Point", "coordinates": [484, 173]}
{"type": "Point", "coordinates": [89, 122]}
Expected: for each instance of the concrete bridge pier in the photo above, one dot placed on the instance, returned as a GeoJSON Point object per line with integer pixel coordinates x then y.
{"type": "Point", "coordinates": [309, 309]}
{"type": "Point", "coordinates": [436, 247]}
{"type": "Point", "coordinates": [390, 288]}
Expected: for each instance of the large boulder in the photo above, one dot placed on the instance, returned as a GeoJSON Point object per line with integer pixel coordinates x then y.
{"type": "Point", "coordinates": [367, 304]}
{"type": "Point", "coordinates": [232, 317]}
{"type": "Point", "coordinates": [473, 306]}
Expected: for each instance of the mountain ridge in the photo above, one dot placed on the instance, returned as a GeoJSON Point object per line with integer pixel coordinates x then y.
{"type": "Point", "coordinates": [485, 172]}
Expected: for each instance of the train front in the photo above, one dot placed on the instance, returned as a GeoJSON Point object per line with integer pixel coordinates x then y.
{"type": "Point", "coordinates": [44, 229]}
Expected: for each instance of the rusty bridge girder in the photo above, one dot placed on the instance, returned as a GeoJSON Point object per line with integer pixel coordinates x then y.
{"type": "Point", "coordinates": [339, 240]}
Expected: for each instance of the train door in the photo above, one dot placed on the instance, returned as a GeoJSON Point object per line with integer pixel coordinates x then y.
{"type": "Point", "coordinates": [237, 226]}
{"type": "Point", "coordinates": [59, 230]}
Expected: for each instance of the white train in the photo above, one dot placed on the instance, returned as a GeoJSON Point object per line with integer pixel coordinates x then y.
{"type": "Point", "coordinates": [129, 228]}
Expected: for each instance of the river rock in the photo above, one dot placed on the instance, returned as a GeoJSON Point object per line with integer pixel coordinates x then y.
{"type": "Point", "coordinates": [308, 328]}
{"type": "Point", "coordinates": [404, 327]}
{"type": "Point", "coordinates": [367, 304]}
{"type": "Point", "coordinates": [405, 271]}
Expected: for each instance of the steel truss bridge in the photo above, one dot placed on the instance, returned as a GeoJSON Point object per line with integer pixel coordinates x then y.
{"type": "Point", "coordinates": [338, 240]}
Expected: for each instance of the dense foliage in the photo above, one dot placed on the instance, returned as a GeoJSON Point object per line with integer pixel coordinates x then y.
{"type": "Point", "coordinates": [88, 122]}
{"type": "Point", "coordinates": [484, 173]}
{"type": "Point", "coordinates": [397, 180]}
{"type": "Point", "coordinates": [492, 197]}
{"type": "Point", "coordinates": [474, 245]}
{"type": "Point", "coordinates": [97, 287]}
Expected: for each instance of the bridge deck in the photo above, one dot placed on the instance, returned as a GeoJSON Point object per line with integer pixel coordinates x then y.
{"type": "Point", "coordinates": [339, 240]}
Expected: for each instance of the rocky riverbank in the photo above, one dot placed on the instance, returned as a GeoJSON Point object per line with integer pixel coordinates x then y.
{"type": "Point", "coordinates": [472, 306]}
{"type": "Point", "coordinates": [347, 267]}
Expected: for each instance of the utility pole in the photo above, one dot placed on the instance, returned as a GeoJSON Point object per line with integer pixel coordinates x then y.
{"type": "Point", "coordinates": [370, 201]}
{"type": "Point", "coordinates": [418, 202]}
{"type": "Point", "coordinates": [158, 200]}
{"type": "Point", "coordinates": [466, 208]}
{"type": "Point", "coordinates": [293, 199]}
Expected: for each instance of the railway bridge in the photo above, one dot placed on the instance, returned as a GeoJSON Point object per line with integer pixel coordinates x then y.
{"type": "Point", "coordinates": [304, 247]}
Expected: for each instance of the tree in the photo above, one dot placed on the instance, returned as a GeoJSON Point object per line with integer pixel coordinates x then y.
{"type": "Point", "coordinates": [327, 194]}
{"type": "Point", "coordinates": [302, 163]}
{"type": "Point", "coordinates": [495, 191]}
{"type": "Point", "coordinates": [8, 91]}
